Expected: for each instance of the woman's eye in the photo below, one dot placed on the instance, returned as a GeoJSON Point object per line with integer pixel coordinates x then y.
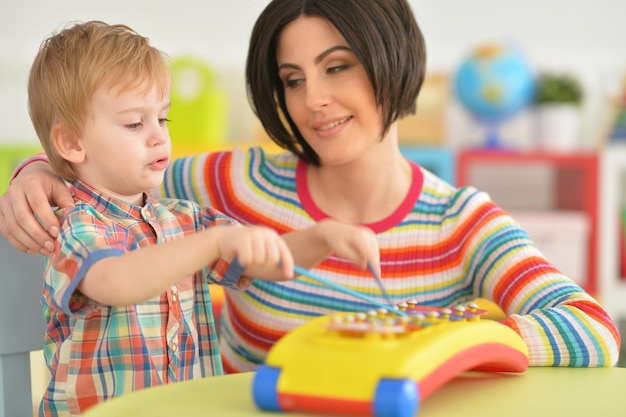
{"type": "Point", "coordinates": [337, 68]}
{"type": "Point", "coordinates": [293, 82]}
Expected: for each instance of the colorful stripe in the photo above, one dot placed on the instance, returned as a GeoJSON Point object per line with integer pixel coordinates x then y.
{"type": "Point", "coordinates": [452, 246]}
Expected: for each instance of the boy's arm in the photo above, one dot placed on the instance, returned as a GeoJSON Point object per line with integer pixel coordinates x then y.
{"type": "Point", "coordinates": [142, 274]}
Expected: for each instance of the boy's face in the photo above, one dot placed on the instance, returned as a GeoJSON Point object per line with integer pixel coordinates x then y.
{"type": "Point", "coordinates": [125, 141]}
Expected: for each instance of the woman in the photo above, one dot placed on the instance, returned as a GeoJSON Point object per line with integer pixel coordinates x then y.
{"type": "Point", "coordinates": [329, 79]}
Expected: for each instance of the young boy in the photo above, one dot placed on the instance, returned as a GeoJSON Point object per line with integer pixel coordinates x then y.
{"type": "Point", "coordinates": [126, 294]}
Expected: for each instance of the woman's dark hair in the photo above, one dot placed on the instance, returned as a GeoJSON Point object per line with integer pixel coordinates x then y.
{"type": "Point", "coordinates": [382, 33]}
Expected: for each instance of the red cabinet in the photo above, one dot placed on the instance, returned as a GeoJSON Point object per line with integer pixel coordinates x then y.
{"type": "Point", "coordinates": [553, 196]}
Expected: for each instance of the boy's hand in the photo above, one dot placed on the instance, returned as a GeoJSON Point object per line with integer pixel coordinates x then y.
{"type": "Point", "coordinates": [258, 247]}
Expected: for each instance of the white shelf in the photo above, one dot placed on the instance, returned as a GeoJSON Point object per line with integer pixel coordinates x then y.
{"type": "Point", "coordinates": [611, 286]}
{"type": "Point", "coordinates": [562, 236]}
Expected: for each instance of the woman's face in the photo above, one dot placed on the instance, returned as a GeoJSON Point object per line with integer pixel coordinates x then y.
{"type": "Point", "coordinates": [327, 92]}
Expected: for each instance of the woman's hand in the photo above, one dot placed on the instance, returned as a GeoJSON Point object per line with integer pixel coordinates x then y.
{"type": "Point", "coordinates": [27, 220]}
{"type": "Point", "coordinates": [357, 244]}
{"type": "Point", "coordinates": [354, 243]}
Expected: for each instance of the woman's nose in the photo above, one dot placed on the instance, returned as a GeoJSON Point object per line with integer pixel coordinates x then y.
{"type": "Point", "coordinates": [317, 95]}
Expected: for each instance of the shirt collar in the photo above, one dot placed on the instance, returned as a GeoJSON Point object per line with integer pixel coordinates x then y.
{"type": "Point", "coordinates": [109, 206]}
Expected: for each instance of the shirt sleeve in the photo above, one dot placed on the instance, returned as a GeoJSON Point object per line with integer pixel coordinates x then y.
{"type": "Point", "coordinates": [186, 179]}
{"type": "Point", "coordinates": [85, 239]}
{"type": "Point", "coordinates": [228, 273]}
{"type": "Point", "coordinates": [38, 157]}
{"type": "Point", "coordinates": [206, 178]}
{"type": "Point", "coordinates": [561, 323]}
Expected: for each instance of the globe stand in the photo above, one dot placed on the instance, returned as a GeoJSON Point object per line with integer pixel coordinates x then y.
{"type": "Point", "coordinates": [493, 140]}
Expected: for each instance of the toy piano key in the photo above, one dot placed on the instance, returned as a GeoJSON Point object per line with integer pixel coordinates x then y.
{"type": "Point", "coordinates": [469, 311]}
{"type": "Point", "coordinates": [423, 350]}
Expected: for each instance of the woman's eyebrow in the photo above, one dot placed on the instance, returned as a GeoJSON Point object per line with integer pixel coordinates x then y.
{"type": "Point", "coordinates": [327, 52]}
{"type": "Point", "coordinates": [318, 58]}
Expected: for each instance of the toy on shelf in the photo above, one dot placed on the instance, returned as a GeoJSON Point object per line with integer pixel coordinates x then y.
{"type": "Point", "coordinates": [382, 364]}
{"type": "Point", "coordinates": [494, 83]}
{"type": "Point", "coordinates": [618, 131]}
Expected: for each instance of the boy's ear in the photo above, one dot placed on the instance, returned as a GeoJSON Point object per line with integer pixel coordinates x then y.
{"type": "Point", "coordinates": [67, 145]}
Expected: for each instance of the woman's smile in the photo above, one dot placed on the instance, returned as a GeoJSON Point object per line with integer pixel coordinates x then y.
{"type": "Point", "coordinates": [331, 128]}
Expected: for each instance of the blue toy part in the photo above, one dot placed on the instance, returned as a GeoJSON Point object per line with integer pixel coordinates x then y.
{"type": "Point", "coordinates": [264, 386]}
{"type": "Point", "coordinates": [396, 398]}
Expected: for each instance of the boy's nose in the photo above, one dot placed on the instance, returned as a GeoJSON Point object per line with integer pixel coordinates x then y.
{"type": "Point", "coordinates": [159, 135]}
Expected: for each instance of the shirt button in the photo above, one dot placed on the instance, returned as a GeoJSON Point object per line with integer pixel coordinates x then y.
{"type": "Point", "coordinates": [174, 298]}
{"type": "Point", "coordinates": [174, 347]}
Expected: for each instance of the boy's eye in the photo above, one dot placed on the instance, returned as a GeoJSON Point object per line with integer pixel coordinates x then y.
{"type": "Point", "coordinates": [164, 120]}
{"type": "Point", "coordinates": [133, 125]}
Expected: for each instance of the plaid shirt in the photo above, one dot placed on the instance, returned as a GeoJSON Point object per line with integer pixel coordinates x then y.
{"type": "Point", "coordinates": [95, 352]}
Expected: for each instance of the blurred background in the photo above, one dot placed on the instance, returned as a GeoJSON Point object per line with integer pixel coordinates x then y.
{"type": "Point", "coordinates": [498, 71]}
{"type": "Point", "coordinates": [583, 37]}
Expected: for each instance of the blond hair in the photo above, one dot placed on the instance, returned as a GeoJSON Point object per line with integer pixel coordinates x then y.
{"type": "Point", "coordinates": [72, 64]}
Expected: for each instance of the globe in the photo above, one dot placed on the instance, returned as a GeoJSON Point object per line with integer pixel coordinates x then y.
{"type": "Point", "coordinates": [494, 83]}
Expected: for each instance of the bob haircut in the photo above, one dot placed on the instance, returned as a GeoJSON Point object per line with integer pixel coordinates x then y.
{"type": "Point", "coordinates": [72, 64]}
{"type": "Point", "coordinates": [383, 34]}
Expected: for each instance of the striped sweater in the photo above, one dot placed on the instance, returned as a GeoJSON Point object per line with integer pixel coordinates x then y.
{"type": "Point", "coordinates": [442, 246]}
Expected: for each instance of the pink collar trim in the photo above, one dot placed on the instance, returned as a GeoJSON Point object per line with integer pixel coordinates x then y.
{"type": "Point", "coordinates": [378, 227]}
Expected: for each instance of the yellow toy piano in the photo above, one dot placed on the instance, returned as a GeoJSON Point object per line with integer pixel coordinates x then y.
{"type": "Point", "coordinates": [382, 362]}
